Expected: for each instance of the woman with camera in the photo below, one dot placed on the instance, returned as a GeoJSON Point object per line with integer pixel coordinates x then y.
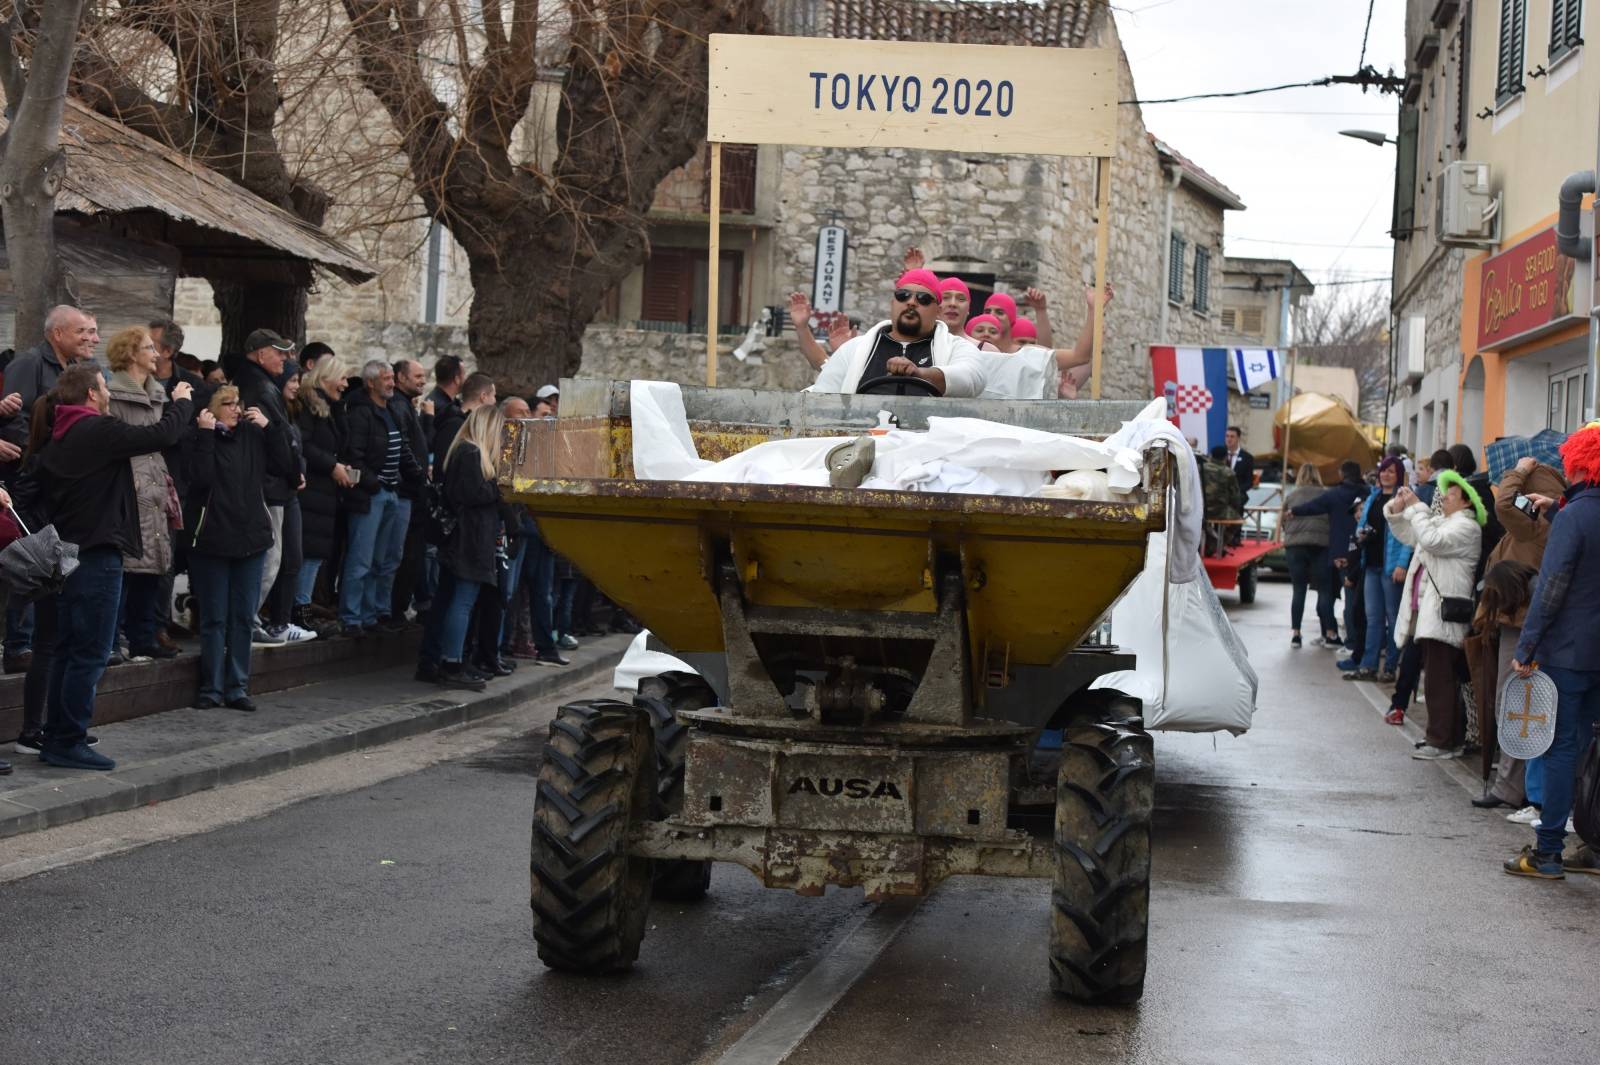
{"type": "Point", "coordinates": [1436, 598]}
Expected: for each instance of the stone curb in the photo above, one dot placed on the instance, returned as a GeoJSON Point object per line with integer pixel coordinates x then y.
{"type": "Point", "coordinates": [49, 805]}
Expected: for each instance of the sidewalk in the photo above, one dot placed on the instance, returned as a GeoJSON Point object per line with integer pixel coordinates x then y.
{"type": "Point", "coordinates": [178, 752]}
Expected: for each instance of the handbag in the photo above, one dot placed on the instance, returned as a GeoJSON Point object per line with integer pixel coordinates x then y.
{"type": "Point", "coordinates": [1454, 609]}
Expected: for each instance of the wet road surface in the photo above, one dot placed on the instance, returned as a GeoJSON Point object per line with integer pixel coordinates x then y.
{"type": "Point", "coordinates": [1318, 896]}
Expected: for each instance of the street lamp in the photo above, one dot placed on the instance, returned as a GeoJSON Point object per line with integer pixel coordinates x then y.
{"type": "Point", "coordinates": [1371, 136]}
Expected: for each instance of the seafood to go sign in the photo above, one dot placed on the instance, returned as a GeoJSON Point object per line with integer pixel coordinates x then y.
{"type": "Point", "coordinates": [1527, 290]}
{"type": "Point", "coordinates": [946, 97]}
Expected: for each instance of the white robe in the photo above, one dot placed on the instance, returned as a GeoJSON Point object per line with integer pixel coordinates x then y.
{"type": "Point", "coordinates": [963, 364]}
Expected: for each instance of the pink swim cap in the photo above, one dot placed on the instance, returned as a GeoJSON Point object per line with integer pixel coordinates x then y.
{"type": "Point", "coordinates": [1024, 329]}
{"type": "Point", "coordinates": [984, 319]}
{"type": "Point", "coordinates": [1004, 303]}
{"type": "Point", "coordinates": [923, 278]}
{"type": "Point", "coordinates": [954, 284]}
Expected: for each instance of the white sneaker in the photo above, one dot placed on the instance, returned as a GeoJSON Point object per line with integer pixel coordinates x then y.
{"type": "Point", "coordinates": [1429, 753]}
{"type": "Point", "coordinates": [1528, 815]}
{"type": "Point", "coordinates": [293, 633]}
{"type": "Point", "coordinates": [260, 637]}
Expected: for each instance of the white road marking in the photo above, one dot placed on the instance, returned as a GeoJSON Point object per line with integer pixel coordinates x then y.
{"type": "Point", "coordinates": [775, 1036]}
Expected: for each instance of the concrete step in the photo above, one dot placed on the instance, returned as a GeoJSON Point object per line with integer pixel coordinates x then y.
{"type": "Point", "coordinates": [164, 755]}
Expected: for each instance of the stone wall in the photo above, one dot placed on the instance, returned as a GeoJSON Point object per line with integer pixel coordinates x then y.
{"type": "Point", "coordinates": [614, 353]}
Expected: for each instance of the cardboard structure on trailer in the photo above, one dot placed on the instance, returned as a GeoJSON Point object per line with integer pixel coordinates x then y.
{"type": "Point", "coordinates": [841, 93]}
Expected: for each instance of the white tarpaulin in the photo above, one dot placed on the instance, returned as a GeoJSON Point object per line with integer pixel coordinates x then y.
{"type": "Point", "coordinates": [639, 662]}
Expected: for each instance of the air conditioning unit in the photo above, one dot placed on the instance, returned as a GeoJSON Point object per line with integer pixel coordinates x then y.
{"type": "Point", "coordinates": [1469, 213]}
{"type": "Point", "coordinates": [1412, 363]}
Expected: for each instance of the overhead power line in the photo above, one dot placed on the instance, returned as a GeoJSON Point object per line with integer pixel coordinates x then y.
{"type": "Point", "coordinates": [1365, 34]}
{"type": "Point", "coordinates": [1367, 77]}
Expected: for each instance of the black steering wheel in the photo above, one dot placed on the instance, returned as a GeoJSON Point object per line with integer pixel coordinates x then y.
{"type": "Point", "coordinates": [898, 385]}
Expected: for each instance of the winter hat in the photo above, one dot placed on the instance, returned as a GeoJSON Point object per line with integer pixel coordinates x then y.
{"type": "Point", "coordinates": [1581, 454]}
{"type": "Point", "coordinates": [1449, 478]}
{"type": "Point", "coordinates": [923, 278]}
{"type": "Point", "coordinates": [1024, 329]}
{"type": "Point", "coordinates": [983, 319]}
{"type": "Point", "coordinates": [954, 284]}
{"type": "Point", "coordinates": [1005, 303]}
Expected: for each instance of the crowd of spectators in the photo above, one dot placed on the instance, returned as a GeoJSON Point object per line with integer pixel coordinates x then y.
{"type": "Point", "coordinates": [296, 498]}
{"type": "Point", "coordinates": [1453, 583]}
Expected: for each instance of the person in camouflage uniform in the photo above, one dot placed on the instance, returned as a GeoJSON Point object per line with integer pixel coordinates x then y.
{"type": "Point", "coordinates": [1223, 500]}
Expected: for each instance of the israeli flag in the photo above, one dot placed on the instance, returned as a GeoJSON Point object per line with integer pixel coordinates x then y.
{"type": "Point", "coordinates": [1254, 366]}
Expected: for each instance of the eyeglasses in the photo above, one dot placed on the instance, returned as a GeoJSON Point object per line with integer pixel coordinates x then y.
{"type": "Point", "coordinates": [905, 295]}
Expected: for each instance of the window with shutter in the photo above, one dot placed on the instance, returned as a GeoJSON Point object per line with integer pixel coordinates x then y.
{"type": "Point", "coordinates": [1513, 47]}
{"type": "Point", "coordinates": [1251, 322]}
{"type": "Point", "coordinates": [1228, 319]}
{"type": "Point", "coordinates": [1405, 177]}
{"type": "Point", "coordinates": [1202, 279]}
{"type": "Point", "coordinates": [1566, 18]}
{"type": "Point", "coordinates": [668, 282]}
{"type": "Point", "coordinates": [1175, 269]}
{"type": "Point", "coordinates": [1464, 78]}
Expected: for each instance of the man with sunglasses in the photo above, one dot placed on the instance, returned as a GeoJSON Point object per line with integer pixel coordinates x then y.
{"type": "Point", "coordinates": [913, 342]}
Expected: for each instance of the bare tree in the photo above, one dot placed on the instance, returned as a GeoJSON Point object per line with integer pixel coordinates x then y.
{"type": "Point", "coordinates": [545, 237]}
{"type": "Point", "coordinates": [1348, 325]}
{"type": "Point", "coordinates": [36, 44]}
{"type": "Point", "coordinates": [202, 77]}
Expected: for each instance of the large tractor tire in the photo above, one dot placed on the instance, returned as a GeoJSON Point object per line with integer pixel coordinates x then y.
{"type": "Point", "coordinates": [662, 697]}
{"type": "Point", "coordinates": [1100, 905]}
{"type": "Point", "coordinates": [590, 898]}
{"type": "Point", "coordinates": [1247, 585]}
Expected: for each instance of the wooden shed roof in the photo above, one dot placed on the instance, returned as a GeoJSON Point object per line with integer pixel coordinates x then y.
{"type": "Point", "coordinates": [112, 170]}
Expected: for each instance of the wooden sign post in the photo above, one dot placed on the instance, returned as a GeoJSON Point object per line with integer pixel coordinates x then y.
{"type": "Point", "coordinates": [839, 93]}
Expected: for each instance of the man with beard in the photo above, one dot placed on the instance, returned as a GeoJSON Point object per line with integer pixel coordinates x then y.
{"type": "Point", "coordinates": [912, 342]}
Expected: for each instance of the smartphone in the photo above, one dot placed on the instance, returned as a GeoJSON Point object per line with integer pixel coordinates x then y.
{"type": "Point", "coordinates": [1524, 504]}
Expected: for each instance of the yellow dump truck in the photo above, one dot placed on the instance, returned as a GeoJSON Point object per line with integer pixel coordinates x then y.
{"type": "Point", "coordinates": [873, 670]}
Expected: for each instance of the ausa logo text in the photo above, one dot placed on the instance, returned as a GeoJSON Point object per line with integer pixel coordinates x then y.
{"type": "Point", "coordinates": [853, 788]}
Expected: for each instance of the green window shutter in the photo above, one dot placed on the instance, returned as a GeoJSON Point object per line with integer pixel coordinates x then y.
{"type": "Point", "coordinates": [1513, 46]}
{"type": "Point", "coordinates": [1202, 279]}
{"type": "Point", "coordinates": [1175, 270]}
{"type": "Point", "coordinates": [1566, 18]}
{"type": "Point", "coordinates": [1405, 177]}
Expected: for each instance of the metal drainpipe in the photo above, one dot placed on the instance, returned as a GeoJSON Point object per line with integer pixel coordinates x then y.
{"type": "Point", "coordinates": [1174, 178]}
{"type": "Point", "coordinates": [1570, 242]}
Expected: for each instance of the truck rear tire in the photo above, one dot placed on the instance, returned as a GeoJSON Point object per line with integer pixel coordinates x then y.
{"type": "Point", "coordinates": [1100, 905]}
{"type": "Point", "coordinates": [677, 880]}
{"type": "Point", "coordinates": [1247, 585]}
{"type": "Point", "coordinates": [590, 898]}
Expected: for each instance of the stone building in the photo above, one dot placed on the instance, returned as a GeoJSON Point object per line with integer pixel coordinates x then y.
{"type": "Point", "coordinates": [1002, 222]}
{"type": "Point", "coordinates": [1257, 305]}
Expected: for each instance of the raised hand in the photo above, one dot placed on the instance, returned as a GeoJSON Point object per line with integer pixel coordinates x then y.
{"type": "Point", "coordinates": [1036, 299]}
{"type": "Point", "coordinates": [799, 308]}
{"type": "Point", "coordinates": [914, 259]}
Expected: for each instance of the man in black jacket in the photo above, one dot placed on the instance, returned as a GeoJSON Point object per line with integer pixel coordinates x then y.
{"type": "Point", "coordinates": [88, 482]}
{"type": "Point", "coordinates": [256, 377]}
{"type": "Point", "coordinates": [377, 452]}
{"type": "Point", "coordinates": [415, 418]}
{"type": "Point", "coordinates": [448, 376]}
{"type": "Point", "coordinates": [1338, 503]}
{"type": "Point", "coordinates": [476, 391]}
{"type": "Point", "coordinates": [1231, 453]}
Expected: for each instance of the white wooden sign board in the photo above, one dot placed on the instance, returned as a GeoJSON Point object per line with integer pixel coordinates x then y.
{"type": "Point", "coordinates": [843, 93]}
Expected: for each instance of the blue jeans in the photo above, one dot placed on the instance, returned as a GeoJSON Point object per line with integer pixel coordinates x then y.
{"type": "Point", "coordinates": [391, 552]}
{"type": "Point", "coordinates": [1577, 711]}
{"type": "Point", "coordinates": [309, 568]}
{"type": "Point", "coordinates": [86, 626]}
{"type": "Point", "coordinates": [19, 627]}
{"type": "Point", "coordinates": [1382, 599]}
{"type": "Point", "coordinates": [226, 590]}
{"type": "Point", "coordinates": [140, 593]}
{"type": "Point", "coordinates": [445, 635]}
{"type": "Point", "coordinates": [365, 534]}
{"type": "Point", "coordinates": [539, 575]}
{"type": "Point", "coordinates": [1355, 618]}
{"type": "Point", "coordinates": [510, 577]}
{"type": "Point", "coordinates": [1533, 781]}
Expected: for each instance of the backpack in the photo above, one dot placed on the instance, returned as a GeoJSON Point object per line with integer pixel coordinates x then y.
{"type": "Point", "coordinates": [1586, 799]}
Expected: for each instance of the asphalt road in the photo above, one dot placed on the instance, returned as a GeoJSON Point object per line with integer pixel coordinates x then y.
{"type": "Point", "coordinates": [1318, 896]}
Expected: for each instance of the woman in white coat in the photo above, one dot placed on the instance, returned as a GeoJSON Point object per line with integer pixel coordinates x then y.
{"type": "Point", "coordinates": [1442, 567]}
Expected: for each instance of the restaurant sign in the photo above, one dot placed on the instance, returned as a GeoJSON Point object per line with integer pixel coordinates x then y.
{"type": "Point", "coordinates": [1526, 291]}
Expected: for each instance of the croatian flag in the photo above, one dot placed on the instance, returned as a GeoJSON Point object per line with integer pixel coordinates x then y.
{"type": "Point", "coordinates": [1254, 366]}
{"type": "Point", "coordinates": [1195, 382]}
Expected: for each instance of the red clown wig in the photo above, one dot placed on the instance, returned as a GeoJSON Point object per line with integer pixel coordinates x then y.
{"type": "Point", "coordinates": [1581, 454]}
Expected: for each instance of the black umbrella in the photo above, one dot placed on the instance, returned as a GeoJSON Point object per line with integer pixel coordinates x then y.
{"type": "Point", "coordinates": [38, 564]}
